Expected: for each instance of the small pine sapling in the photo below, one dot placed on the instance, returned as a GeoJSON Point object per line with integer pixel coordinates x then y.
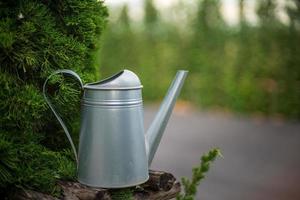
{"type": "Point", "coordinates": [190, 186]}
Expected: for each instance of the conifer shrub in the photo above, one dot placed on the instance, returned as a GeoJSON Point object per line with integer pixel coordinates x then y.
{"type": "Point", "coordinates": [37, 38]}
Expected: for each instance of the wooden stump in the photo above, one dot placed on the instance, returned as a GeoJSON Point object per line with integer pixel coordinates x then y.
{"type": "Point", "coordinates": [160, 186]}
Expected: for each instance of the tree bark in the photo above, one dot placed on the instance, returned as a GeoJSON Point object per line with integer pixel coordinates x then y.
{"type": "Point", "coordinates": [158, 195]}
{"type": "Point", "coordinates": [160, 186]}
{"type": "Point", "coordinates": [159, 180]}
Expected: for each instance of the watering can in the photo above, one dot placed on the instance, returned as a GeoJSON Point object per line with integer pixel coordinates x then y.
{"type": "Point", "coordinates": [113, 150]}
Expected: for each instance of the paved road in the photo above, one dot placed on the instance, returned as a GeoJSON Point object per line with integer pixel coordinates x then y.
{"type": "Point", "coordinates": [261, 157]}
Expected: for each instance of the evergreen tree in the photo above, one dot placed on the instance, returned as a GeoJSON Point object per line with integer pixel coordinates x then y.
{"type": "Point", "coordinates": [208, 15]}
{"type": "Point", "coordinates": [120, 41]}
{"type": "Point", "coordinates": [293, 11]}
{"type": "Point", "coordinates": [151, 15]}
{"type": "Point", "coordinates": [207, 25]}
{"type": "Point", "coordinates": [36, 38]}
{"type": "Point", "coordinates": [152, 22]}
{"type": "Point", "coordinates": [152, 51]}
{"type": "Point", "coordinates": [266, 11]}
{"type": "Point", "coordinates": [242, 12]}
{"type": "Point", "coordinates": [206, 45]}
{"type": "Point", "coordinates": [290, 74]}
{"type": "Point", "coordinates": [124, 18]}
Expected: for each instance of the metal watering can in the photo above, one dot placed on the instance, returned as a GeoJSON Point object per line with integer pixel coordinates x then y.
{"type": "Point", "coordinates": [113, 150]}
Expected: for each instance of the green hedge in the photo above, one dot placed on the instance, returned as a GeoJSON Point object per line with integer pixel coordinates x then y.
{"type": "Point", "coordinates": [36, 38]}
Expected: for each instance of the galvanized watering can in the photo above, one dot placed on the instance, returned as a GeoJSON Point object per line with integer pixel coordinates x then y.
{"type": "Point", "coordinates": [113, 150]}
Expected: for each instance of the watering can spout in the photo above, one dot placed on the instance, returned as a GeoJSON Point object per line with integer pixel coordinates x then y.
{"type": "Point", "coordinates": [157, 127]}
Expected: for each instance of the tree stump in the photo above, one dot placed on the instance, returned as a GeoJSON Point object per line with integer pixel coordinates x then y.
{"type": "Point", "coordinates": [160, 186]}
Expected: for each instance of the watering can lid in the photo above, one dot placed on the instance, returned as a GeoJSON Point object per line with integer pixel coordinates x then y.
{"type": "Point", "coordinates": [123, 80]}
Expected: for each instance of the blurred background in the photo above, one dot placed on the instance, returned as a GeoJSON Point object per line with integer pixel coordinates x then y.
{"type": "Point", "coordinates": [242, 93]}
{"type": "Point", "coordinates": [242, 55]}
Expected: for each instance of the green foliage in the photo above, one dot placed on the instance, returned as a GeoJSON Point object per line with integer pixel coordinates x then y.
{"type": "Point", "coordinates": [8, 162]}
{"type": "Point", "coordinates": [247, 68]}
{"type": "Point", "coordinates": [33, 166]}
{"type": "Point", "coordinates": [190, 186]}
{"type": "Point", "coordinates": [36, 38]}
{"type": "Point", "coordinates": [43, 168]}
{"type": "Point", "coordinates": [123, 194]}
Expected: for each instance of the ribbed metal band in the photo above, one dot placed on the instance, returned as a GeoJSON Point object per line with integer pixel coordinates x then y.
{"type": "Point", "coordinates": [91, 87]}
{"type": "Point", "coordinates": [112, 103]}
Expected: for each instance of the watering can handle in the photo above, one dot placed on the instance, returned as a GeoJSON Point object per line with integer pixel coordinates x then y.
{"type": "Point", "coordinates": [69, 72]}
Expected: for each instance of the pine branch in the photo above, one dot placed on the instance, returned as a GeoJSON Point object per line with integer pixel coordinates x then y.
{"type": "Point", "coordinates": [190, 186]}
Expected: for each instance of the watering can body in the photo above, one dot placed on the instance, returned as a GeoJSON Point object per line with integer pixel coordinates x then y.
{"type": "Point", "coordinates": [113, 150]}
